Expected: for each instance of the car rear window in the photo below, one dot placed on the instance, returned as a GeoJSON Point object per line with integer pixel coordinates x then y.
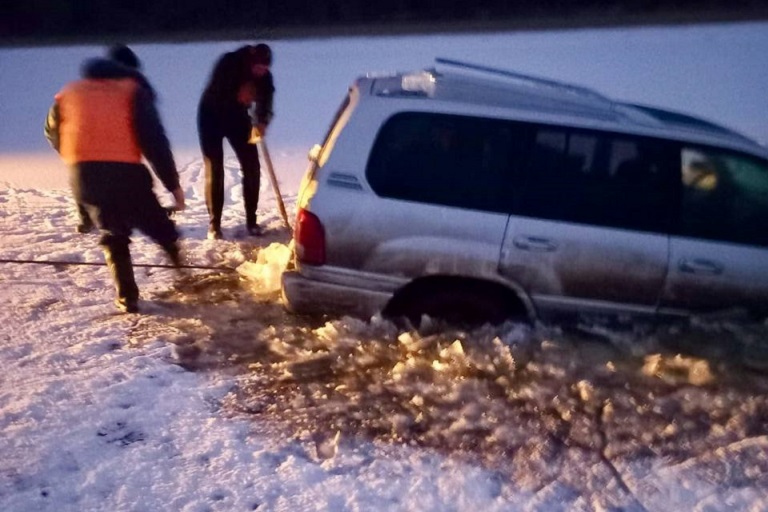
{"type": "Point", "coordinates": [446, 159]}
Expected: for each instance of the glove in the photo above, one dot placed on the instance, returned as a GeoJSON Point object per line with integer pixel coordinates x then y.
{"type": "Point", "coordinates": [257, 133]}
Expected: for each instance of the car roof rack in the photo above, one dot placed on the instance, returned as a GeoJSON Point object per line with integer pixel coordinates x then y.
{"type": "Point", "coordinates": [534, 80]}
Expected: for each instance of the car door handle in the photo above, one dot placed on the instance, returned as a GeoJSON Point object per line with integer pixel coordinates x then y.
{"type": "Point", "coordinates": [534, 243]}
{"type": "Point", "coordinates": [701, 266]}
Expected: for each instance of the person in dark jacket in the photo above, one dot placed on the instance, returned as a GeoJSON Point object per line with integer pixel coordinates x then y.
{"type": "Point", "coordinates": [235, 105]}
{"type": "Point", "coordinates": [102, 125]}
{"type": "Point", "coordinates": [124, 55]}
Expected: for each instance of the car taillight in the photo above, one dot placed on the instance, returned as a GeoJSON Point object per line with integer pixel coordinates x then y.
{"type": "Point", "coordinates": [310, 238]}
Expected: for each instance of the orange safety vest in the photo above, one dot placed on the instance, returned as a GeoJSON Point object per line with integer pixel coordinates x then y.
{"type": "Point", "coordinates": [96, 121]}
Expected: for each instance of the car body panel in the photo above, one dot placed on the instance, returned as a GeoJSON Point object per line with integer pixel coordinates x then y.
{"type": "Point", "coordinates": [707, 276]}
{"type": "Point", "coordinates": [304, 292]}
{"type": "Point", "coordinates": [559, 263]}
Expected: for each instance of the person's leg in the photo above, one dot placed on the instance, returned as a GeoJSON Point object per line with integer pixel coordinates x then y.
{"type": "Point", "coordinates": [149, 217]}
{"type": "Point", "coordinates": [114, 241]}
{"type": "Point", "coordinates": [84, 222]}
{"type": "Point", "coordinates": [118, 258]}
{"type": "Point", "coordinates": [248, 156]}
{"type": "Point", "coordinates": [211, 145]}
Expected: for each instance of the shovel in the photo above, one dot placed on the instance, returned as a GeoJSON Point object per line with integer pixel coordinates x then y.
{"type": "Point", "coordinates": [262, 145]}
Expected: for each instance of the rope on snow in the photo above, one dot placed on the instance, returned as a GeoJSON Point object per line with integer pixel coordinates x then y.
{"type": "Point", "coordinates": [99, 264]}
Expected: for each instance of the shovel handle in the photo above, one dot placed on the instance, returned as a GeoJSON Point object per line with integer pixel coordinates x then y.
{"type": "Point", "coordinates": [262, 145]}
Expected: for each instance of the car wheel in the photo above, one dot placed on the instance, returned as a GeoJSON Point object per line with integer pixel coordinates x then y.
{"type": "Point", "coordinates": [462, 306]}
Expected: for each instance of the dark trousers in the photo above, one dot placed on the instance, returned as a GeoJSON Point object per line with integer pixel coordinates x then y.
{"type": "Point", "coordinates": [118, 198]}
{"type": "Point", "coordinates": [83, 218]}
{"type": "Point", "coordinates": [214, 124]}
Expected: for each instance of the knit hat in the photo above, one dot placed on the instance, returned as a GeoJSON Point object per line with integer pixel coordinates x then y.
{"type": "Point", "coordinates": [124, 55]}
{"type": "Point", "coordinates": [261, 54]}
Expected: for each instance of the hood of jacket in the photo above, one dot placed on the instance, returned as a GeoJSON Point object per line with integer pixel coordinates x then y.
{"type": "Point", "coordinates": [107, 69]}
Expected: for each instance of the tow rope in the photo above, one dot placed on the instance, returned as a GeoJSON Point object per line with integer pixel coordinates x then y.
{"type": "Point", "coordinates": [98, 264]}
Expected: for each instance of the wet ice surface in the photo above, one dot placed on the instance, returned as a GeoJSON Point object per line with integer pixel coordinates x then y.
{"type": "Point", "coordinates": [577, 416]}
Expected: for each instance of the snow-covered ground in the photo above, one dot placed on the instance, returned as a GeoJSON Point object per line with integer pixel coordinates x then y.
{"type": "Point", "coordinates": [215, 398]}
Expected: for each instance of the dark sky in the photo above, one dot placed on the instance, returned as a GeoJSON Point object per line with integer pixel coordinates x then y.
{"type": "Point", "coordinates": [42, 21]}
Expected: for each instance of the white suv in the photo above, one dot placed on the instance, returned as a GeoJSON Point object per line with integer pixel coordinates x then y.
{"type": "Point", "coordinates": [476, 194]}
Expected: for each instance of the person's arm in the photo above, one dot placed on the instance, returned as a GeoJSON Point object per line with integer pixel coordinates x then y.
{"type": "Point", "coordinates": [262, 112]}
{"type": "Point", "coordinates": [264, 108]}
{"type": "Point", "coordinates": [52, 126]}
{"type": "Point", "coordinates": [154, 143]}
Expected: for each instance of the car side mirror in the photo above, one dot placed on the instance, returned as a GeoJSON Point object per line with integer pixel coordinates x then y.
{"type": "Point", "coordinates": [314, 153]}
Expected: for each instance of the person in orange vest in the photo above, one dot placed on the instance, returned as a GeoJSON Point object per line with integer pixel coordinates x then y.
{"type": "Point", "coordinates": [103, 125]}
{"type": "Point", "coordinates": [123, 55]}
{"type": "Point", "coordinates": [236, 104]}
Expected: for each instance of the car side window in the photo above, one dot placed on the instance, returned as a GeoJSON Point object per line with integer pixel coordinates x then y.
{"type": "Point", "coordinates": [599, 178]}
{"type": "Point", "coordinates": [724, 196]}
{"type": "Point", "coordinates": [445, 159]}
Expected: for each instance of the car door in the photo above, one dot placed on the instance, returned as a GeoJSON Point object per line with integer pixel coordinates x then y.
{"type": "Point", "coordinates": [570, 266]}
{"type": "Point", "coordinates": [591, 230]}
{"type": "Point", "coordinates": [440, 182]}
{"type": "Point", "coordinates": [719, 254]}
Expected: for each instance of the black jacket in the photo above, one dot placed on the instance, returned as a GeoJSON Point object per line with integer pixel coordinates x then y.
{"type": "Point", "coordinates": [232, 70]}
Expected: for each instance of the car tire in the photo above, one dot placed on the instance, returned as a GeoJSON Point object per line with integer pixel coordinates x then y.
{"type": "Point", "coordinates": [466, 305]}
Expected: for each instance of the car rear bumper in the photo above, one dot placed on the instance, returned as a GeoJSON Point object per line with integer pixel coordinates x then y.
{"type": "Point", "coordinates": [304, 295]}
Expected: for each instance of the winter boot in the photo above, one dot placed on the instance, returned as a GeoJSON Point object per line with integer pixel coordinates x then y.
{"type": "Point", "coordinates": [174, 254]}
{"type": "Point", "coordinates": [214, 233]}
{"type": "Point", "coordinates": [172, 250]}
{"type": "Point", "coordinates": [127, 305]}
{"type": "Point", "coordinates": [119, 263]}
{"type": "Point", "coordinates": [85, 227]}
